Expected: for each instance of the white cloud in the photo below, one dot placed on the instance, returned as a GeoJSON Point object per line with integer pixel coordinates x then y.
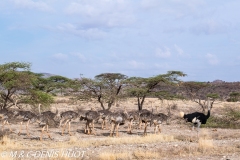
{"type": "Point", "coordinates": [111, 65]}
{"type": "Point", "coordinates": [189, 3]}
{"type": "Point", "coordinates": [148, 4]}
{"type": "Point", "coordinates": [29, 4]}
{"type": "Point", "coordinates": [79, 56]}
{"type": "Point", "coordinates": [179, 50]}
{"type": "Point", "coordinates": [116, 57]}
{"type": "Point", "coordinates": [82, 9]}
{"type": "Point", "coordinates": [210, 27]}
{"type": "Point", "coordinates": [136, 65]}
{"type": "Point", "coordinates": [60, 56]}
{"type": "Point", "coordinates": [90, 33]}
{"type": "Point", "coordinates": [163, 53]}
{"type": "Point", "coordinates": [162, 65]}
{"type": "Point", "coordinates": [93, 8]}
{"type": "Point", "coordinates": [175, 8]}
{"type": "Point", "coordinates": [212, 59]}
{"type": "Point", "coordinates": [102, 13]}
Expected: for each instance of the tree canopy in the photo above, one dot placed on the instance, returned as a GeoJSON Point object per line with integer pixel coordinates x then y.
{"type": "Point", "coordinates": [17, 85]}
{"type": "Point", "coordinates": [142, 87]}
{"type": "Point", "coordinates": [104, 88]}
{"type": "Point", "coordinates": [202, 93]}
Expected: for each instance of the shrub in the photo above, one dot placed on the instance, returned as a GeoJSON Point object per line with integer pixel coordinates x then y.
{"type": "Point", "coordinates": [229, 120]}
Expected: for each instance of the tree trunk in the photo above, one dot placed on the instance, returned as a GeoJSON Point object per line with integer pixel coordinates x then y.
{"type": "Point", "coordinates": [140, 102]}
{"type": "Point", "coordinates": [102, 105]}
{"type": "Point", "coordinates": [109, 105]}
{"type": "Point", "coordinates": [101, 102]}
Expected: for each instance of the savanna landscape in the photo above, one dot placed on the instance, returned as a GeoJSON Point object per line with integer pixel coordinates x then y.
{"type": "Point", "coordinates": [22, 90]}
{"type": "Point", "coordinates": [119, 80]}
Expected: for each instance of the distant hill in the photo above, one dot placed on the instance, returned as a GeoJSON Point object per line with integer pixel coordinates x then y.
{"type": "Point", "coordinates": [218, 81]}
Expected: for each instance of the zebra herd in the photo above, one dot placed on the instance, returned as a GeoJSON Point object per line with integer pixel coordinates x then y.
{"type": "Point", "coordinates": [91, 117]}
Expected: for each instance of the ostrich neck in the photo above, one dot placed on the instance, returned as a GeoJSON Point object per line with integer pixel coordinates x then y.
{"type": "Point", "coordinates": [208, 114]}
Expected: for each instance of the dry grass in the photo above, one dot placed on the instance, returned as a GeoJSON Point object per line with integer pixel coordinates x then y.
{"type": "Point", "coordinates": [143, 154]}
{"type": "Point", "coordinates": [126, 155]}
{"type": "Point", "coordinates": [8, 144]}
{"type": "Point", "coordinates": [204, 146]}
{"type": "Point", "coordinates": [114, 156]}
{"type": "Point", "coordinates": [120, 140]}
{"type": "Point", "coordinates": [180, 146]}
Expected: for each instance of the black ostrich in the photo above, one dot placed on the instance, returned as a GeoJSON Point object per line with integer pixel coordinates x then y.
{"type": "Point", "coordinates": [197, 118]}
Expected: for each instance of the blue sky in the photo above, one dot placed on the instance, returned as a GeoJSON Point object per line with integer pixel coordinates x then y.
{"type": "Point", "coordinates": [139, 38]}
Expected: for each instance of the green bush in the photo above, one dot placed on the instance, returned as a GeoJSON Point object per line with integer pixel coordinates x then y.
{"type": "Point", "coordinates": [215, 122]}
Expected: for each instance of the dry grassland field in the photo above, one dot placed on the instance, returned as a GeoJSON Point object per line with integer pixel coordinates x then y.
{"type": "Point", "coordinates": [176, 140]}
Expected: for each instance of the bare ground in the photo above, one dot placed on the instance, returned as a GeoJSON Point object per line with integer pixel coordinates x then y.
{"type": "Point", "coordinates": [176, 140]}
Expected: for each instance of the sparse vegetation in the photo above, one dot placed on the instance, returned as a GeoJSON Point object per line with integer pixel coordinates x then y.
{"type": "Point", "coordinates": [231, 119]}
{"type": "Point", "coordinates": [233, 113]}
{"type": "Point", "coordinates": [233, 97]}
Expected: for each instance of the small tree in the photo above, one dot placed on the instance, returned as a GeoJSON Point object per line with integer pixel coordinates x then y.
{"type": "Point", "coordinates": [142, 87]}
{"type": "Point", "coordinates": [15, 78]}
{"type": "Point", "coordinates": [36, 97]}
{"type": "Point", "coordinates": [104, 88]}
{"type": "Point", "coordinates": [53, 84]}
{"type": "Point", "coordinates": [17, 85]}
{"type": "Point", "coordinates": [200, 92]}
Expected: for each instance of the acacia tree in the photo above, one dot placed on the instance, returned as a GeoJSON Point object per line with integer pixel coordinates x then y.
{"type": "Point", "coordinates": [105, 88]}
{"type": "Point", "coordinates": [52, 84]}
{"type": "Point", "coordinates": [16, 84]}
{"type": "Point", "coordinates": [142, 87]}
{"type": "Point", "coordinates": [201, 93]}
{"type": "Point", "coordinates": [14, 78]}
{"type": "Point", "coordinates": [36, 97]}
